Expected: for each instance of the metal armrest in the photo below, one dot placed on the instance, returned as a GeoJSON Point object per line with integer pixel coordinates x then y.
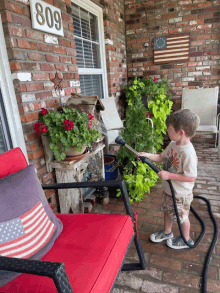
{"type": "Point", "coordinates": [110, 183]}
{"type": "Point", "coordinates": [53, 270]}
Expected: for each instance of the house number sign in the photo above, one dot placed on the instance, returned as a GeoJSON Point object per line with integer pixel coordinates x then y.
{"type": "Point", "coordinates": [46, 17]}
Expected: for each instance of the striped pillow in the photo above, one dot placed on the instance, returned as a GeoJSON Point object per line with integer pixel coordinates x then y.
{"type": "Point", "coordinates": [28, 227]}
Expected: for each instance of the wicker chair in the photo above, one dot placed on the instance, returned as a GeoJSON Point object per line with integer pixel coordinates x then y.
{"type": "Point", "coordinates": [86, 256]}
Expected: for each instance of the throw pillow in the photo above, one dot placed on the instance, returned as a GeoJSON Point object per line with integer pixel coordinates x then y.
{"type": "Point", "coordinates": [28, 227]}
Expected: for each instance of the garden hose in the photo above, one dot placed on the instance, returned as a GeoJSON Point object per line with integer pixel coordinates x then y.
{"type": "Point", "coordinates": [120, 140]}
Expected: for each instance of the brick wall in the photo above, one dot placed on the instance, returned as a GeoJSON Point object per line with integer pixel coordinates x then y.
{"type": "Point", "coordinates": [115, 44]}
{"type": "Point", "coordinates": [146, 20]}
{"type": "Point", "coordinates": [35, 57]}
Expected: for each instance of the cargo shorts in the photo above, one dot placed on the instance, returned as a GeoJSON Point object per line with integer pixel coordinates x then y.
{"type": "Point", "coordinates": [183, 206]}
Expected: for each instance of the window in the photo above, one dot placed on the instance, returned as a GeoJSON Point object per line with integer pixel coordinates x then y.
{"type": "Point", "coordinates": [89, 39]}
{"type": "Point", "coordinates": [5, 141]}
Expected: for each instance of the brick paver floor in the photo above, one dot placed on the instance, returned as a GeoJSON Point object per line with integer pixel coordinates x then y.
{"type": "Point", "coordinates": [168, 270]}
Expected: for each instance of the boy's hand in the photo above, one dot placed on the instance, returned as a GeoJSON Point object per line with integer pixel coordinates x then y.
{"type": "Point", "coordinates": [164, 175]}
{"type": "Point", "coordinates": [143, 154]}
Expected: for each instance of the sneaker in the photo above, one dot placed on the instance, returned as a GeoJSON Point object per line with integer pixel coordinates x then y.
{"type": "Point", "coordinates": [160, 236]}
{"type": "Point", "coordinates": [178, 243]}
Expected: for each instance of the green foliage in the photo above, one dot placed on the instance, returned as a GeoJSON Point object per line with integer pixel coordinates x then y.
{"type": "Point", "coordinates": [140, 182]}
{"type": "Point", "coordinates": [61, 139]}
{"type": "Point", "coordinates": [138, 132]}
{"type": "Point", "coordinates": [160, 106]}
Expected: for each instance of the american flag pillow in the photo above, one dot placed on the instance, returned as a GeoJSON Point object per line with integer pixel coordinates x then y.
{"type": "Point", "coordinates": [23, 236]}
{"type": "Point", "coordinates": [28, 227]}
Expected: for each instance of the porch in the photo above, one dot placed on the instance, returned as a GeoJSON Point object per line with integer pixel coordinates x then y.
{"type": "Point", "coordinates": [172, 270]}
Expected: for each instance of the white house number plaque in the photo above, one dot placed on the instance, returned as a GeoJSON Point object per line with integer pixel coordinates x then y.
{"type": "Point", "coordinates": [46, 17]}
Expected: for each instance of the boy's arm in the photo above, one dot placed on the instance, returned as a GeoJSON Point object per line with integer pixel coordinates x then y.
{"type": "Point", "coordinates": [164, 175]}
{"type": "Point", "coordinates": [155, 158]}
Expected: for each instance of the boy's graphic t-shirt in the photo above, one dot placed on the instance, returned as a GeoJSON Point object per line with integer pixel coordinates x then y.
{"type": "Point", "coordinates": [180, 160]}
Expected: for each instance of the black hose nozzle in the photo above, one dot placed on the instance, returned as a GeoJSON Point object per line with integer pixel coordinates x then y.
{"type": "Point", "coordinates": [119, 140]}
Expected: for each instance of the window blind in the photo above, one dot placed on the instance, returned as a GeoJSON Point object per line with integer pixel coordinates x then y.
{"type": "Point", "coordinates": [91, 85]}
{"type": "Point", "coordinates": [86, 38]}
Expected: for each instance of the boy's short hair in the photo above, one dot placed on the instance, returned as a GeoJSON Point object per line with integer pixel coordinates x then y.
{"type": "Point", "coordinates": [184, 119]}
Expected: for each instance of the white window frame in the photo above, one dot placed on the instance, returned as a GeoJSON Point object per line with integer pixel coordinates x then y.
{"type": "Point", "coordinates": [9, 98]}
{"type": "Point", "coordinates": [97, 11]}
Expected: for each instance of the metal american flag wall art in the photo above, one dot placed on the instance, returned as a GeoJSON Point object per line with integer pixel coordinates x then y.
{"type": "Point", "coordinates": [171, 49]}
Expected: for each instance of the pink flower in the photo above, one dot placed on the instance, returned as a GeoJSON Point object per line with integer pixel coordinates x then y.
{"type": "Point", "coordinates": [155, 79]}
{"type": "Point", "coordinates": [68, 124]}
{"type": "Point", "coordinates": [40, 128]}
{"type": "Point", "coordinates": [44, 111]}
{"type": "Point", "coordinates": [91, 117]}
{"type": "Point", "coordinates": [90, 124]}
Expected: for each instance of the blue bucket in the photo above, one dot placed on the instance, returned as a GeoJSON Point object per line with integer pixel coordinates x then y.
{"type": "Point", "coordinates": [111, 167]}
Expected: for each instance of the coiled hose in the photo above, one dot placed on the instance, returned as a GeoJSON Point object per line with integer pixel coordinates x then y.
{"type": "Point", "coordinates": [120, 140]}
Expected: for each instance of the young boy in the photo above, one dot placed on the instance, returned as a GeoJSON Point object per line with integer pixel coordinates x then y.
{"type": "Point", "coordinates": [180, 166]}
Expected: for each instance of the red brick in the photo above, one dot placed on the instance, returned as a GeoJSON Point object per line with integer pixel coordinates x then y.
{"type": "Point", "coordinates": [35, 106]}
{"type": "Point", "coordinates": [35, 155]}
{"type": "Point", "coordinates": [13, 7]}
{"type": "Point", "coordinates": [48, 177]}
{"type": "Point", "coordinates": [16, 31]}
{"type": "Point", "coordinates": [43, 95]}
{"type": "Point", "coordinates": [73, 68]}
{"type": "Point", "coordinates": [35, 35]}
{"type": "Point", "coordinates": [67, 17]}
{"type": "Point", "coordinates": [59, 50]}
{"type": "Point", "coordinates": [47, 67]}
{"type": "Point", "coordinates": [44, 47]}
{"type": "Point", "coordinates": [30, 66]}
{"type": "Point", "coordinates": [65, 59]}
{"type": "Point", "coordinates": [24, 44]}
{"type": "Point", "coordinates": [61, 67]}
{"type": "Point", "coordinates": [33, 87]}
{"type": "Point", "coordinates": [41, 76]}
{"type": "Point", "coordinates": [213, 286]}
{"type": "Point", "coordinates": [52, 58]}
{"type": "Point", "coordinates": [15, 66]}
{"type": "Point", "coordinates": [6, 16]}
{"type": "Point", "coordinates": [40, 173]}
{"type": "Point", "coordinates": [36, 57]}
{"type": "Point", "coordinates": [182, 279]}
{"type": "Point", "coordinates": [29, 117]}
{"type": "Point", "coordinates": [70, 52]}
{"type": "Point", "coordinates": [32, 147]}
{"type": "Point", "coordinates": [52, 103]}
{"type": "Point", "coordinates": [64, 43]}
{"type": "Point", "coordinates": [23, 109]}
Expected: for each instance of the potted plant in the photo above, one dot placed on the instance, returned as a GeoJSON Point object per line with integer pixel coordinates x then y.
{"type": "Point", "coordinates": [145, 97]}
{"type": "Point", "coordinates": [67, 128]}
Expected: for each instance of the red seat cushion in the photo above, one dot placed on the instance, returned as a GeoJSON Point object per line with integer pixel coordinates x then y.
{"type": "Point", "coordinates": [12, 161]}
{"type": "Point", "coordinates": [91, 246]}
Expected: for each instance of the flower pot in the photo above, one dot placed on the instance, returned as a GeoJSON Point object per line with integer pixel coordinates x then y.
{"type": "Point", "coordinates": [71, 152]}
{"type": "Point", "coordinates": [149, 114]}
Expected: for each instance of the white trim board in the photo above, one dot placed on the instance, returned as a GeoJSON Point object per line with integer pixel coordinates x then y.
{"type": "Point", "coordinates": [9, 98]}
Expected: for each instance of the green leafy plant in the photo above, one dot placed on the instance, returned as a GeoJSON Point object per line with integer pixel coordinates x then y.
{"type": "Point", "coordinates": [159, 105]}
{"type": "Point", "coordinates": [138, 132]}
{"type": "Point", "coordinates": [65, 128]}
{"type": "Point", "coordinates": [140, 182]}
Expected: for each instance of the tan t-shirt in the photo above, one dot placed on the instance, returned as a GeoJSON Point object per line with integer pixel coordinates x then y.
{"type": "Point", "coordinates": [180, 160]}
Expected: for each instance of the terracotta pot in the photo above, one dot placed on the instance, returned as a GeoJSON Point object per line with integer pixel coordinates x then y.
{"type": "Point", "coordinates": [149, 114]}
{"type": "Point", "coordinates": [71, 152]}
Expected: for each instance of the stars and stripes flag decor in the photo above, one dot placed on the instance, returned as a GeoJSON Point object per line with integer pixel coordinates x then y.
{"type": "Point", "coordinates": [172, 48]}
{"type": "Point", "coordinates": [24, 236]}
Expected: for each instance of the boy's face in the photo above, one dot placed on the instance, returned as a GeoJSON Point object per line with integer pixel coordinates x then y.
{"type": "Point", "coordinates": [173, 135]}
